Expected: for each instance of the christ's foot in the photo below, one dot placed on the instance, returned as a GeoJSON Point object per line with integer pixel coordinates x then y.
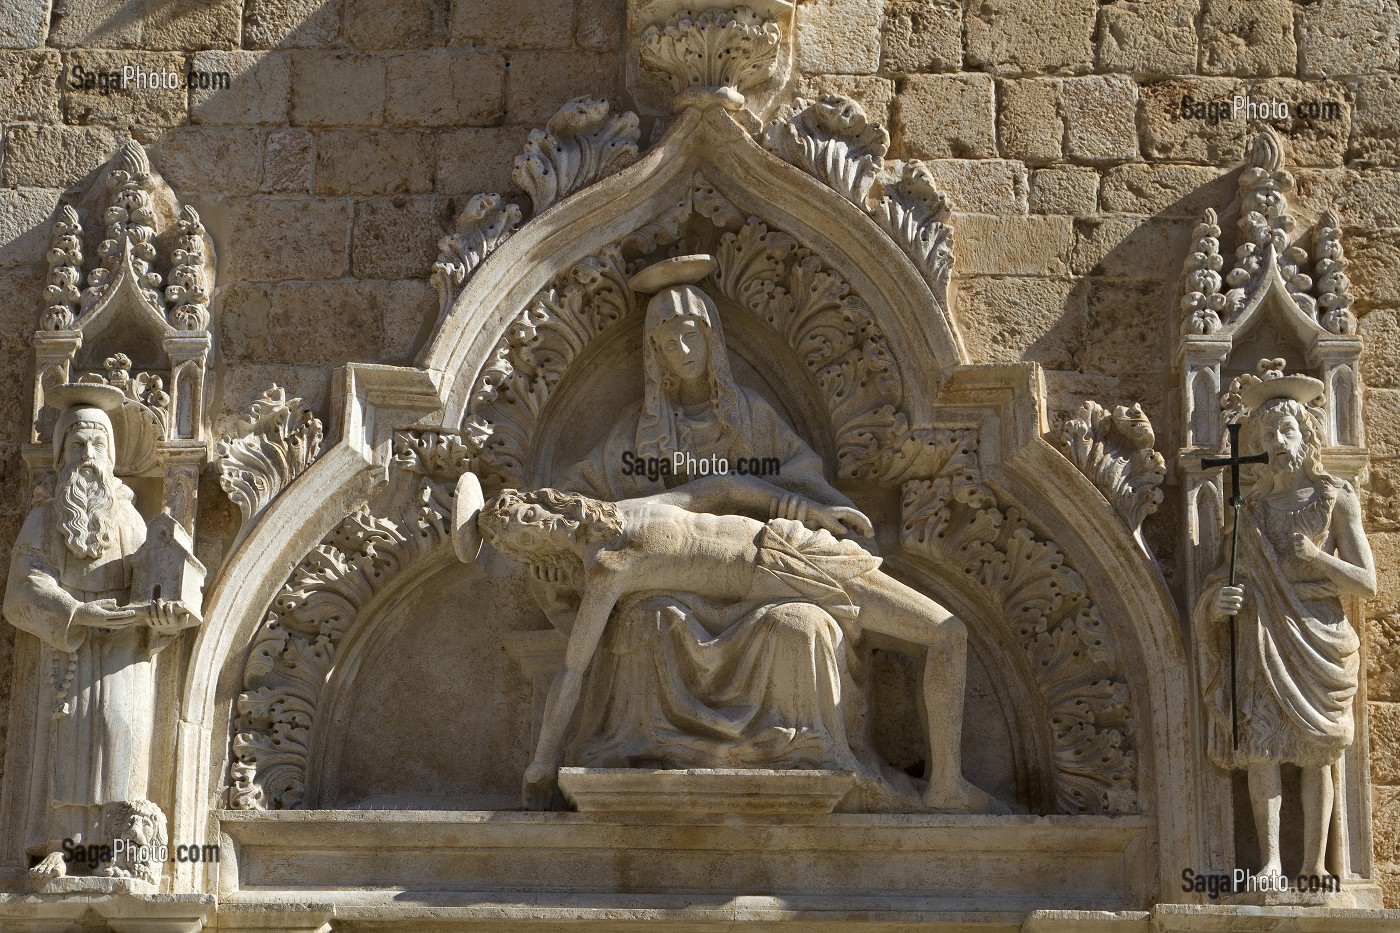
{"type": "Point", "coordinates": [53, 866]}
{"type": "Point", "coordinates": [962, 797]}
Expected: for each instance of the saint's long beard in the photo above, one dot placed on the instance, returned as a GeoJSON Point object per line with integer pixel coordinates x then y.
{"type": "Point", "coordinates": [85, 500]}
{"type": "Point", "coordinates": [1286, 461]}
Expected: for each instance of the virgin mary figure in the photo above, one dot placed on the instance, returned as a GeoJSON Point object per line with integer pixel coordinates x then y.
{"type": "Point", "coordinates": [679, 681]}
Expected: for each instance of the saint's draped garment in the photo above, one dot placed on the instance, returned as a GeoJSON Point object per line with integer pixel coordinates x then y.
{"type": "Point", "coordinates": [1298, 656]}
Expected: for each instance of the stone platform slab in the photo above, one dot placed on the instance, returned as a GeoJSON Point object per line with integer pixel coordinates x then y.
{"type": "Point", "coordinates": [704, 790]}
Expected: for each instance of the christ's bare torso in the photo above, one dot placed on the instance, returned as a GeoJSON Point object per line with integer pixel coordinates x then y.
{"type": "Point", "coordinates": [680, 550]}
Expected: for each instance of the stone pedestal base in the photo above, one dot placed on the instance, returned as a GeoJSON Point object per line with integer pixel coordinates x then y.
{"type": "Point", "coordinates": [703, 790]}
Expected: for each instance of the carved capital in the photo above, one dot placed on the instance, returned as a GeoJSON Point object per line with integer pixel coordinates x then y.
{"type": "Point", "coordinates": [718, 50]}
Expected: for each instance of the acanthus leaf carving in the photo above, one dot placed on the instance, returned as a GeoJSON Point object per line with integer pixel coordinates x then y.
{"type": "Point", "coordinates": [832, 140]}
{"type": "Point", "coordinates": [537, 349]}
{"type": "Point", "coordinates": [729, 51]}
{"type": "Point", "coordinates": [1204, 303]}
{"type": "Point", "coordinates": [274, 445]}
{"type": "Point", "coordinates": [1333, 286]}
{"type": "Point", "coordinates": [295, 649]}
{"type": "Point", "coordinates": [188, 291]}
{"type": "Point", "coordinates": [484, 224]}
{"type": "Point", "coordinates": [1114, 450]}
{"type": "Point", "coordinates": [915, 214]}
{"type": "Point", "coordinates": [581, 144]}
{"type": "Point", "coordinates": [952, 518]}
{"type": "Point", "coordinates": [65, 258]}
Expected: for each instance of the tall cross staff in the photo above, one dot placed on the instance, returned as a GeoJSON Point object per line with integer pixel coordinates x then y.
{"type": "Point", "coordinates": [1234, 462]}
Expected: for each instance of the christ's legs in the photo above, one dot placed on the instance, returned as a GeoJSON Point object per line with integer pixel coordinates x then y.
{"type": "Point", "coordinates": [1266, 794]}
{"type": "Point", "coordinates": [1317, 793]}
{"type": "Point", "coordinates": [891, 608]}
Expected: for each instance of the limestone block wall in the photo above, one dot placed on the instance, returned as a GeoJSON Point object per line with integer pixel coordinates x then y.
{"type": "Point", "coordinates": [351, 132]}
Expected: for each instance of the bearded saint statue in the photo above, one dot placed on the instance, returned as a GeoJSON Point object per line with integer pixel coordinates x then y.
{"type": "Point", "coordinates": [69, 585]}
{"type": "Point", "coordinates": [1301, 550]}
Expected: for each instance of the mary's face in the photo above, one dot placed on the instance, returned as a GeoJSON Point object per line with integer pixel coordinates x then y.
{"type": "Point", "coordinates": [683, 347]}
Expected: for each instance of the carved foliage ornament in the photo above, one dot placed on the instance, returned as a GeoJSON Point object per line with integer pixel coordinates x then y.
{"type": "Point", "coordinates": [833, 140]}
{"type": "Point", "coordinates": [1266, 242]}
{"type": "Point", "coordinates": [718, 49]}
{"type": "Point", "coordinates": [954, 520]}
{"type": "Point", "coordinates": [130, 235]}
{"type": "Point", "coordinates": [297, 644]}
{"type": "Point", "coordinates": [274, 445]}
{"type": "Point", "coordinates": [1114, 449]}
{"type": "Point", "coordinates": [582, 144]}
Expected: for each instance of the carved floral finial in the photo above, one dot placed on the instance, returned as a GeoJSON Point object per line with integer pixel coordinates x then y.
{"type": "Point", "coordinates": [65, 257]}
{"type": "Point", "coordinates": [130, 219]}
{"type": "Point", "coordinates": [483, 225]}
{"type": "Point", "coordinates": [1265, 227]}
{"type": "Point", "coordinates": [713, 57]}
{"type": "Point", "coordinates": [1201, 297]}
{"type": "Point", "coordinates": [582, 143]}
{"type": "Point", "coordinates": [276, 443]}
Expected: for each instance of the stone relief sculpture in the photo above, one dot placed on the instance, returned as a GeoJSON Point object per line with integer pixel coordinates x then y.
{"type": "Point", "coordinates": [71, 584]}
{"type": "Point", "coordinates": [1301, 549]}
{"type": "Point", "coordinates": [748, 661]}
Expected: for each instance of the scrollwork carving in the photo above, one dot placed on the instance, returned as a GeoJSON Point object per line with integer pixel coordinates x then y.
{"type": "Point", "coordinates": [534, 354]}
{"type": "Point", "coordinates": [1114, 450]}
{"type": "Point", "coordinates": [953, 519]}
{"type": "Point", "coordinates": [484, 224]}
{"type": "Point", "coordinates": [834, 141]}
{"type": "Point", "coordinates": [274, 445]}
{"type": "Point", "coordinates": [582, 143]}
{"type": "Point", "coordinates": [915, 214]}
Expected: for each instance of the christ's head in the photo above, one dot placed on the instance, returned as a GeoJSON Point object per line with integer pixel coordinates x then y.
{"type": "Point", "coordinates": [544, 529]}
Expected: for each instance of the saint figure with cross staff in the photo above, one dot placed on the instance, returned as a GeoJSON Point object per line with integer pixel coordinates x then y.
{"type": "Point", "coordinates": [1278, 659]}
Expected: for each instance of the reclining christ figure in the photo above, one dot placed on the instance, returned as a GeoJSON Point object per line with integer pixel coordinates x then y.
{"type": "Point", "coordinates": [610, 550]}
